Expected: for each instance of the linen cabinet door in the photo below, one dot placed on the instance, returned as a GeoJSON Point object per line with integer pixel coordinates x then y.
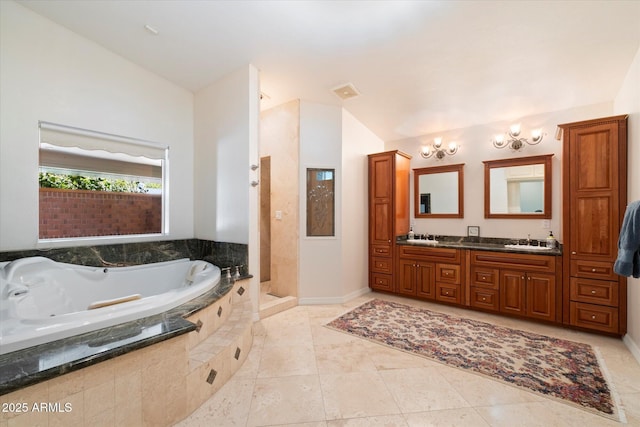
{"type": "Point", "coordinates": [541, 296]}
{"type": "Point", "coordinates": [512, 292]}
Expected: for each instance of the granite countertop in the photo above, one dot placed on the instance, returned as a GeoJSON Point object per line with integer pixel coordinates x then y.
{"type": "Point", "coordinates": [26, 367]}
{"type": "Point", "coordinates": [482, 244]}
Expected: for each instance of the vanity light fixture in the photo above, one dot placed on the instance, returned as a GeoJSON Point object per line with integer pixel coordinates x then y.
{"type": "Point", "coordinates": [514, 141]}
{"type": "Point", "coordinates": [438, 150]}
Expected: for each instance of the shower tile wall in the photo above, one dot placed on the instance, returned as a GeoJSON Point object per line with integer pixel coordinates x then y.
{"type": "Point", "coordinates": [280, 139]}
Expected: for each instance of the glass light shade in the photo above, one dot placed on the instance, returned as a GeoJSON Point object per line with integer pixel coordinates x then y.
{"type": "Point", "coordinates": [515, 129]}
{"type": "Point", "coordinates": [536, 135]}
{"type": "Point", "coordinates": [437, 142]}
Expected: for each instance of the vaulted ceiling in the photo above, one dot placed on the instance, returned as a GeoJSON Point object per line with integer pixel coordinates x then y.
{"type": "Point", "coordinates": [420, 66]}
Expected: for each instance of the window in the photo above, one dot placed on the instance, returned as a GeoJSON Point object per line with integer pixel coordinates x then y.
{"type": "Point", "coordinates": [94, 184]}
{"type": "Point", "coordinates": [320, 202]}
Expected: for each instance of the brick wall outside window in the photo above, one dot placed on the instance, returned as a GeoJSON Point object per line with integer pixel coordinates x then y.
{"type": "Point", "coordinates": [79, 213]}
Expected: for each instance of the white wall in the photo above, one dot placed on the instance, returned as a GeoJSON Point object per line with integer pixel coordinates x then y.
{"type": "Point", "coordinates": [226, 123]}
{"type": "Point", "coordinates": [320, 257]}
{"type": "Point", "coordinates": [49, 73]}
{"type": "Point", "coordinates": [628, 102]}
{"type": "Point", "coordinates": [475, 146]}
{"type": "Point", "coordinates": [223, 126]}
{"type": "Point", "coordinates": [357, 142]}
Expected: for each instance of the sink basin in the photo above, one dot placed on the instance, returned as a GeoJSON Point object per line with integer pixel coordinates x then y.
{"type": "Point", "coordinates": [528, 247]}
{"type": "Point", "coordinates": [423, 242]}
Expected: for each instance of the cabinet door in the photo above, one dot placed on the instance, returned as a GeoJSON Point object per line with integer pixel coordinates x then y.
{"type": "Point", "coordinates": [512, 292]}
{"type": "Point", "coordinates": [594, 191]}
{"type": "Point", "coordinates": [426, 280]}
{"type": "Point", "coordinates": [407, 277]}
{"type": "Point", "coordinates": [381, 200]}
{"type": "Point", "coordinates": [541, 296]}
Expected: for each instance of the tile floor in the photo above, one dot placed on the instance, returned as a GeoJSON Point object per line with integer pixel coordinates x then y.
{"type": "Point", "coordinates": [300, 373]}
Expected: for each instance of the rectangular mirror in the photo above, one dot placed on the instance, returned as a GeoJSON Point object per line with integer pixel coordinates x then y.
{"type": "Point", "coordinates": [518, 188]}
{"type": "Point", "coordinates": [438, 192]}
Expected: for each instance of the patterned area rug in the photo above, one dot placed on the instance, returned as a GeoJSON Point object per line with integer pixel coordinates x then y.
{"type": "Point", "coordinates": [566, 370]}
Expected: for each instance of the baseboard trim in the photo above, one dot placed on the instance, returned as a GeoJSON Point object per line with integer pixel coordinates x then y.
{"type": "Point", "coordinates": [632, 346]}
{"type": "Point", "coordinates": [334, 300]}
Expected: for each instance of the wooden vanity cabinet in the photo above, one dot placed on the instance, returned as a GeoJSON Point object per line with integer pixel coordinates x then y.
{"type": "Point", "coordinates": [388, 214]}
{"type": "Point", "coordinates": [517, 284]}
{"type": "Point", "coordinates": [430, 273]}
{"type": "Point", "coordinates": [594, 186]}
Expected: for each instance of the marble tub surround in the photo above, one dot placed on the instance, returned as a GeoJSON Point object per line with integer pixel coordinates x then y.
{"type": "Point", "coordinates": [221, 254]}
{"type": "Point", "coordinates": [36, 364]}
{"type": "Point", "coordinates": [483, 243]}
{"type": "Point", "coordinates": [157, 385]}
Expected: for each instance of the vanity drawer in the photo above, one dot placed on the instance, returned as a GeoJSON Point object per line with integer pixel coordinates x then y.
{"type": "Point", "coordinates": [593, 269]}
{"type": "Point", "coordinates": [381, 282]}
{"type": "Point", "coordinates": [381, 265]}
{"type": "Point", "coordinates": [448, 273]}
{"type": "Point", "coordinates": [487, 299]}
{"type": "Point", "coordinates": [430, 254]}
{"type": "Point", "coordinates": [448, 293]}
{"type": "Point", "coordinates": [513, 261]}
{"type": "Point", "coordinates": [381, 250]}
{"type": "Point", "coordinates": [485, 277]}
{"type": "Point", "coordinates": [594, 291]}
{"type": "Point", "coordinates": [594, 316]}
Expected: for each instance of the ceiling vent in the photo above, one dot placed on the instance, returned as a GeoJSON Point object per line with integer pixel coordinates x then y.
{"type": "Point", "coordinates": [346, 91]}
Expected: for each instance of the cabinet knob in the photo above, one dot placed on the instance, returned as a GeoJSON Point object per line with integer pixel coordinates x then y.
{"type": "Point", "coordinates": [593, 317]}
{"type": "Point", "coordinates": [446, 293]}
{"type": "Point", "coordinates": [593, 270]}
{"type": "Point", "coordinates": [484, 299]}
{"type": "Point", "coordinates": [593, 292]}
{"type": "Point", "coordinates": [522, 277]}
{"type": "Point", "coordinates": [573, 253]}
{"type": "Point", "coordinates": [484, 278]}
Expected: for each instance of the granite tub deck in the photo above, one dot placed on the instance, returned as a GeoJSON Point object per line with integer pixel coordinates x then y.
{"type": "Point", "coordinates": [152, 371]}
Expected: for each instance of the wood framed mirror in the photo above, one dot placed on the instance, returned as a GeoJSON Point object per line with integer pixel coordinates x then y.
{"type": "Point", "coordinates": [439, 192]}
{"type": "Point", "coordinates": [518, 188]}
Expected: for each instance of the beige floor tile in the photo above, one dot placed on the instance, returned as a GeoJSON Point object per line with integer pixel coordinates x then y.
{"type": "Point", "coordinates": [229, 407]}
{"type": "Point", "coordinates": [421, 389]}
{"type": "Point", "coordinates": [462, 417]}
{"type": "Point", "coordinates": [358, 394]}
{"type": "Point", "coordinates": [547, 414]}
{"type": "Point", "coordinates": [288, 400]}
{"type": "Point", "coordinates": [343, 358]}
{"type": "Point", "coordinates": [322, 335]}
{"type": "Point", "coordinates": [381, 421]}
{"type": "Point", "coordinates": [481, 391]}
{"type": "Point", "coordinates": [287, 360]}
{"type": "Point", "coordinates": [387, 358]}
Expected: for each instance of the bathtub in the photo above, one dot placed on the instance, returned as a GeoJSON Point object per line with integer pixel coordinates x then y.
{"type": "Point", "coordinates": [42, 300]}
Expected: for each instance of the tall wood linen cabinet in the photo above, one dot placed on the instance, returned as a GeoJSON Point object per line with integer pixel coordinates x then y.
{"type": "Point", "coordinates": [388, 214]}
{"type": "Point", "coordinates": [594, 187]}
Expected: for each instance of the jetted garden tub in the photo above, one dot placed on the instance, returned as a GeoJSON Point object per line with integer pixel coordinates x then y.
{"type": "Point", "coordinates": [43, 301]}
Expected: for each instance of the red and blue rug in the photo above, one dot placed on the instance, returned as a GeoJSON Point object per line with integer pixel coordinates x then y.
{"type": "Point", "coordinates": [566, 370]}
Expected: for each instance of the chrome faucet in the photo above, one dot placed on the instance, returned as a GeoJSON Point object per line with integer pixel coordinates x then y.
{"type": "Point", "coordinates": [528, 239]}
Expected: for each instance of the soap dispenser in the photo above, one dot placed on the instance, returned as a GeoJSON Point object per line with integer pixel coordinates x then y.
{"type": "Point", "coordinates": [411, 235]}
{"type": "Point", "coordinates": [551, 241]}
